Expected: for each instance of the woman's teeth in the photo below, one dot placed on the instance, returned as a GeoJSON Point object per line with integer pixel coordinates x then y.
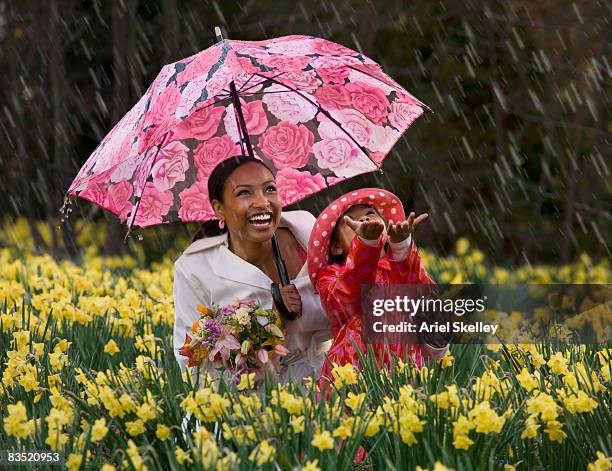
{"type": "Point", "coordinates": [261, 219]}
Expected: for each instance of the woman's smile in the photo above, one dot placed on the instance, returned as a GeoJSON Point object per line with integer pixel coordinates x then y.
{"type": "Point", "coordinates": [261, 220]}
{"type": "Point", "coordinates": [251, 204]}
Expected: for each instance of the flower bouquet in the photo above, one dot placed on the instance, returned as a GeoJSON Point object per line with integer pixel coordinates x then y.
{"type": "Point", "coordinates": [239, 338]}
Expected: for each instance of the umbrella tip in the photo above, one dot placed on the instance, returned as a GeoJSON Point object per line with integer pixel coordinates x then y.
{"type": "Point", "coordinates": [218, 33]}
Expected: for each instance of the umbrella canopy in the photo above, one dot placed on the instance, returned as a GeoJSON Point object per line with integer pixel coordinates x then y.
{"type": "Point", "coordinates": [316, 112]}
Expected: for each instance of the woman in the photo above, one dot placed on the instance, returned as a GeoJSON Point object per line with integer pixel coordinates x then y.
{"type": "Point", "coordinates": [239, 263]}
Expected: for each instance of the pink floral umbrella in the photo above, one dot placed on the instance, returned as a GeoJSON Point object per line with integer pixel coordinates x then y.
{"type": "Point", "coordinates": [315, 111]}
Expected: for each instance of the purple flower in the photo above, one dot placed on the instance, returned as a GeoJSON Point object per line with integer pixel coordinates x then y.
{"type": "Point", "coordinates": [213, 330]}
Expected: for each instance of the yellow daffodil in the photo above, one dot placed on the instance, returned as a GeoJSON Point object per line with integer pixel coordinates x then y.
{"type": "Point", "coordinates": [322, 440]}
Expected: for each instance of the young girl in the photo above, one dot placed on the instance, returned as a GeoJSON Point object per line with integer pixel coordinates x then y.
{"type": "Point", "coordinates": [347, 250]}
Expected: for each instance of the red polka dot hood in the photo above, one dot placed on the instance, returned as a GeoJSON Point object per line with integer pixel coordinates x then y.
{"type": "Point", "coordinates": [386, 203]}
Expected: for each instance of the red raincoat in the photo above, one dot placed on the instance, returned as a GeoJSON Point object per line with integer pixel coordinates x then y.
{"type": "Point", "coordinates": [340, 291]}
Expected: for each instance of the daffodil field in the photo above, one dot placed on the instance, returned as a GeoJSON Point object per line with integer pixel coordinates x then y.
{"type": "Point", "coordinates": [87, 367]}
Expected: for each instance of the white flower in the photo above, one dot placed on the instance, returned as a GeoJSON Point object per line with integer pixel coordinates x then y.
{"type": "Point", "coordinates": [242, 316]}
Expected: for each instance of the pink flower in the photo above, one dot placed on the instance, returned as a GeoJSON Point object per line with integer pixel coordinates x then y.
{"type": "Point", "coordinates": [163, 106]}
{"type": "Point", "coordinates": [253, 86]}
{"type": "Point", "coordinates": [333, 97]}
{"type": "Point", "coordinates": [201, 125]}
{"type": "Point", "coordinates": [333, 180]}
{"type": "Point", "coordinates": [288, 106]}
{"type": "Point", "coordinates": [190, 94]}
{"type": "Point", "coordinates": [254, 117]}
{"type": "Point", "coordinates": [292, 48]}
{"type": "Point", "coordinates": [200, 65]}
{"type": "Point", "coordinates": [324, 47]}
{"type": "Point", "coordinates": [153, 206]}
{"type": "Point", "coordinates": [194, 203]}
{"type": "Point", "coordinates": [306, 80]}
{"type": "Point", "coordinates": [240, 359]}
{"type": "Point", "coordinates": [325, 62]}
{"type": "Point", "coordinates": [156, 135]}
{"type": "Point", "coordinates": [143, 170]}
{"type": "Point", "coordinates": [287, 144]}
{"type": "Point", "coordinates": [161, 81]}
{"type": "Point", "coordinates": [371, 101]}
{"type": "Point", "coordinates": [224, 347]}
{"type": "Point", "coordinates": [170, 166]}
{"type": "Point", "coordinates": [335, 154]}
{"type": "Point", "coordinates": [354, 123]}
{"type": "Point", "coordinates": [262, 356]}
{"type": "Point", "coordinates": [95, 192]}
{"type": "Point", "coordinates": [248, 48]}
{"type": "Point", "coordinates": [281, 350]}
{"type": "Point", "coordinates": [383, 138]}
{"type": "Point", "coordinates": [403, 114]}
{"type": "Point", "coordinates": [334, 74]}
{"type": "Point", "coordinates": [405, 97]}
{"type": "Point", "coordinates": [334, 69]}
{"type": "Point", "coordinates": [285, 63]}
{"type": "Point", "coordinates": [119, 199]}
{"type": "Point", "coordinates": [368, 75]}
{"type": "Point", "coordinates": [247, 66]}
{"type": "Point", "coordinates": [115, 147]}
{"type": "Point", "coordinates": [219, 81]}
{"type": "Point", "coordinates": [125, 170]}
{"type": "Point", "coordinates": [294, 185]}
{"type": "Point", "coordinates": [212, 152]}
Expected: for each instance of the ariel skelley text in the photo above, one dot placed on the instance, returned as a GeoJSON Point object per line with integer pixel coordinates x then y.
{"type": "Point", "coordinates": [436, 327]}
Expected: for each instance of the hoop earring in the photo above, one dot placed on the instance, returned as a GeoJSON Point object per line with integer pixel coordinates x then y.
{"type": "Point", "coordinates": [221, 223]}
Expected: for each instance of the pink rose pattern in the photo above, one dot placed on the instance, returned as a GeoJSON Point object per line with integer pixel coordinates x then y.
{"type": "Point", "coordinates": [289, 106]}
{"type": "Point", "coordinates": [194, 203]}
{"type": "Point", "coordinates": [295, 185]}
{"type": "Point", "coordinates": [170, 166]}
{"type": "Point", "coordinates": [119, 199]}
{"type": "Point", "coordinates": [369, 100]}
{"type": "Point", "coordinates": [187, 114]}
{"type": "Point", "coordinates": [287, 144]}
{"type": "Point", "coordinates": [254, 115]}
{"type": "Point", "coordinates": [208, 154]}
{"type": "Point", "coordinates": [333, 97]}
{"type": "Point", "coordinates": [153, 206]}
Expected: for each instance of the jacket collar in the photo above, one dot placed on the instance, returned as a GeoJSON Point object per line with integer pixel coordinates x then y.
{"type": "Point", "coordinates": [240, 270]}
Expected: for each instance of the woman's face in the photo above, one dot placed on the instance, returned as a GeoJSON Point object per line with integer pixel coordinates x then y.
{"type": "Point", "coordinates": [251, 206]}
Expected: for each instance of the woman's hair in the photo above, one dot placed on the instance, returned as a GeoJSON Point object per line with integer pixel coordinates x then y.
{"type": "Point", "coordinates": [216, 184]}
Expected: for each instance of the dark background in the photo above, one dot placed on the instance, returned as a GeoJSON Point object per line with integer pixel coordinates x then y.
{"type": "Point", "coordinates": [515, 156]}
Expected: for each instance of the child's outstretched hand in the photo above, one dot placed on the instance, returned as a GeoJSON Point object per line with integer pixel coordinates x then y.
{"type": "Point", "coordinates": [369, 230]}
{"type": "Point", "coordinates": [400, 231]}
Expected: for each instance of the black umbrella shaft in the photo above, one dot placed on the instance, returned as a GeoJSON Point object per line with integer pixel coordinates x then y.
{"type": "Point", "coordinates": [280, 263]}
{"type": "Point", "coordinates": [242, 123]}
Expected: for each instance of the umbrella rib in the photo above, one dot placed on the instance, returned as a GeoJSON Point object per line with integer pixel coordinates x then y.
{"type": "Point", "coordinates": [244, 84]}
{"type": "Point", "coordinates": [260, 83]}
{"type": "Point", "coordinates": [212, 104]}
{"type": "Point", "coordinates": [331, 118]}
{"type": "Point", "coordinates": [133, 217]}
{"type": "Point", "coordinates": [382, 81]}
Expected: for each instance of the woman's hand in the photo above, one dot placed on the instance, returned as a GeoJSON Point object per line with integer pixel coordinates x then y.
{"type": "Point", "coordinates": [368, 230]}
{"type": "Point", "coordinates": [292, 299]}
{"type": "Point", "coordinates": [400, 231]}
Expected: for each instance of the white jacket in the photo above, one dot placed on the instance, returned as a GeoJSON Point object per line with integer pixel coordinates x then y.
{"type": "Point", "coordinates": [208, 272]}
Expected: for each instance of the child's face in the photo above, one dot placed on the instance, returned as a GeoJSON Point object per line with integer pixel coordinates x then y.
{"type": "Point", "coordinates": [344, 235]}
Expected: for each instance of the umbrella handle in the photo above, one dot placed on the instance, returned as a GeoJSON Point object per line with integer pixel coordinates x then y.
{"type": "Point", "coordinates": [280, 263]}
{"type": "Point", "coordinates": [284, 280]}
{"type": "Point", "coordinates": [280, 304]}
